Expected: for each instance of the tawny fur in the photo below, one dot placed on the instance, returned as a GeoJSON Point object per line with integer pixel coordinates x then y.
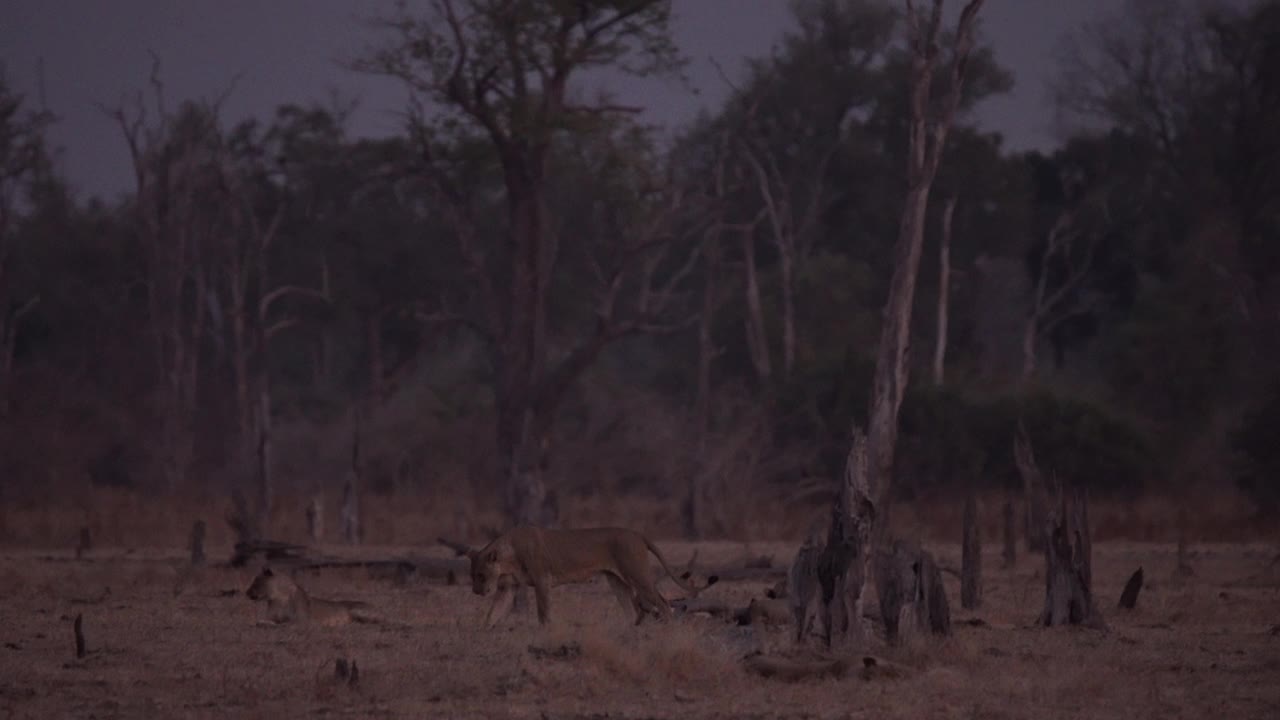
{"type": "Point", "coordinates": [544, 558]}
{"type": "Point", "coordinates": [287, 602]}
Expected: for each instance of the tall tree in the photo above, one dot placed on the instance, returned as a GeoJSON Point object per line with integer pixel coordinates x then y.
{"type": "Point", "coordinates": [859, 521]}
{"type": "Point", "coordinates": [24, 162]}
{"type": "Point", "coordinates": [930, 121]}
{"type": "Point", "coordinates": [504, 72]}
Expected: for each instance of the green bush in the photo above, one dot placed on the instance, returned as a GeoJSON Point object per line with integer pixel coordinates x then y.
{"type": "Point", "coordinates": [952, 437]}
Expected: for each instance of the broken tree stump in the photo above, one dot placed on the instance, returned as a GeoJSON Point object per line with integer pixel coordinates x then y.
{"type": "Point", "coordinates": [350, 512]}
{"type": "Point", "coordinates": [1129, 597]}
{"type": "Point", "coordinates": [78, 628]}
{"type": "Point", "coordinates": [243, 522]}
{"type": "Point", "coordinates": [841, 566]}
{"type": "Point", "coordinates": [315, 519]}
{"type": "Point", "coordinates": [1033, 488]}
{"type": "Point", "coordinates": [1068, 555]}
{"type": "Point", "coordinates": [1010, 554]}
{"type": "Point", "coordinates": [197, 543]}
{"type": "Point", "coordinates": [85, 544]}
{"type": "Point", "coordinates": [911, 592]}
{"type": "Point", "coordinates": [971, 557]}
{"type": "Point", "coordinates": [1183, 569]}
{"type": "Point", "coordinates": [802, 583]}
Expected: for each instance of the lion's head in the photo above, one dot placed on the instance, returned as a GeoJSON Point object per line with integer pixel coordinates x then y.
{"type": "Point", "coordinates": [485, 570]}
{"type": "Point", "coordinates": [265, 586]}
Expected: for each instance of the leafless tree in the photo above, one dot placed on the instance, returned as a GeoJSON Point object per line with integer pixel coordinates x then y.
{"type": "Point", "coordinates": [930, 122]}
{"type": "Point", "coordinates": [179, 197]}
{"type": "Point", "coordinates": [1070, 246]}
{"type": "Point", "coordinates": [504, 71]}
{"type": "Point", "coordinates": [859, 516]}
{"type": "Point", "coordinates": [944, 292]}
{"type": "Point", "coordinates": [23, 158]}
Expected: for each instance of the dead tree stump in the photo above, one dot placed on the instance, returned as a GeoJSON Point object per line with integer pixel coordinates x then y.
{"type": "Point", "coordinates": [315, 519]}
{"type": "Point", "coordinates": [197, 543]}
{"type": "Point", "coordinates": [1068, 564]}
{"type": "Point", "coordinates": [85, 544]}
{"type": "Point", "coordinates": [841, 566]}
{"type": "Point", "coordinates": [243, 522]}
{"type": "Point", "coordinates": [1033, 488]}
{"type": "Point", "coordinates": [802, 583]}
{"type": "Point", "coordinates": [78, 629]}
{"type": "Point", "coordinates": [1010, 553]}
{"type": "Point", "coordinates": [911, 592]}
{"type": "Point", "coordinates": [1129, 597]}
{"type": "Point", "coordinates": [350, 513]}
{"type": "Point", "coordinates": [1183, 569]}
{"type": "Point", "coordinates": [971, 557]}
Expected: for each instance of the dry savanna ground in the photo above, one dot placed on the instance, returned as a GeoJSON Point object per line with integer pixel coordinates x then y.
{"type": "Point", "coordinates": [163, 642]}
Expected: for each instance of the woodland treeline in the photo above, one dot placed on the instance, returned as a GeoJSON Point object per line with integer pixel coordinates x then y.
{"type": "Point", "coordinates": [530, 281]}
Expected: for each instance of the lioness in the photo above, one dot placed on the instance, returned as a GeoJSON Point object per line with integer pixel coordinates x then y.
{"type": "Point", "coordinates": [287, 602]}
{"type": "Point", "coordinates": [545, 558]}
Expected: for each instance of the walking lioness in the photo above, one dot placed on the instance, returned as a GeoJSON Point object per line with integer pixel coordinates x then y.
{"type": "Point", "coordinates": [544, 558]}
{"type": "Point", "coordinates": [288, 602]}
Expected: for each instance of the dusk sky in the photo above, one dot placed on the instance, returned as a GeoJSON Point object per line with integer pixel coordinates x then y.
{"type": "Point", "coordinates": [290, 51]}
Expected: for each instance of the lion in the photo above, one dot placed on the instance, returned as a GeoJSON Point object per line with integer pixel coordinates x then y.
{"type": "Point", "coordinates": [287, 602]}
{"type": "Point", "coordinates": [544, 558]}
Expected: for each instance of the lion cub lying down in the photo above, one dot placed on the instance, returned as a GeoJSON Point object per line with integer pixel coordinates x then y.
{"type": "Point", "coordinates": [288, 602]}
{"type": "Point", "coordinates": [544, 558]}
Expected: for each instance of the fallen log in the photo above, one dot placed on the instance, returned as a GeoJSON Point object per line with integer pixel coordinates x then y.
{"type": "Point", "coordinates": [795, 669]}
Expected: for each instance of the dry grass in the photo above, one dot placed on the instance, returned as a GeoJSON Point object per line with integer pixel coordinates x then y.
{"type": "Point", "coordinates": [130, 519]}
{"type": "Point", "coordinates": [167, 644]}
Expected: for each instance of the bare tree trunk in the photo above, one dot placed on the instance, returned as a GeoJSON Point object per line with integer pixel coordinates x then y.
{"type": "Point", "coordinates": [787, 267]}
{"type": "Point", "coordinates": [702, 399]}
{"type": "Point", "coordinates": [373, 345]}
{"type": "Point", "coordinates": [266, 484]}
{"type": "Point", "coordinates": [971, 557]}
{"type": "Point", "coordinates": [872, 472]}
{"type": "Point", "coordinates": [842, 567]}
{"type": "Point", "coordinates": [10, 321]}
{"type": "Point", "coordinates": [1068, 564]}
{"type": "Point", "coordinates": [197, 543]}
{"type": "Point", "coordinates": [1030, 336]}
{"type": "Point", "coordinates": [927, 138]}
{"type": "Point", "coordinates": [1033, 489]}
{"type": "Point", "coordinates": [324, 365]}
{"type": "Point", "coordinates": [1010, 554]}
{"type": "Point", "coordinates": [1183, 568]}
{"type": "Point", "coordinates": [912, 597]}
{"type": "Point", "coordinates": [315, 519]}
{"type": "Point", "coordinates": [85, 543]}
{"type": "Point", "coordinates": [350, 513]}
{"type": "Point", "coordinates": [757, 336]}
{"type": "Point", "coordinates": [944, 292]}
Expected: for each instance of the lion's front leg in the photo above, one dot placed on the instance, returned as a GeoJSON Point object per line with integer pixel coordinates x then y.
{"type": "Point", "coordinates": [501, 605]}
{"type": "Point", "coordinates": [541, 593]}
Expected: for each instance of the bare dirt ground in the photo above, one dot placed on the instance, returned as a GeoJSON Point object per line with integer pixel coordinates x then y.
{"type": "Point", "coordinates": [165, 643]}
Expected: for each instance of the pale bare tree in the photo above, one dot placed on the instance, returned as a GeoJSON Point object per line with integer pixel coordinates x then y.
{"type": "Point", "coordinates": [861, 511]}
{"type": "Point", "coordinates": [930, 122]}
{"type": "Point", "coordinates": [944, 292]}
{"type": "Point", "coordinates": [1072, 248]}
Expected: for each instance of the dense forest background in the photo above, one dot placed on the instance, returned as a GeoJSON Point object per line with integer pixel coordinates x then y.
{"type": "Point", "coordinates": [529, 278]}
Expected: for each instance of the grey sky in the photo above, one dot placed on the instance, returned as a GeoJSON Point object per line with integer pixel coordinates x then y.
{"type": "Point", "coordinates": [286, 51]}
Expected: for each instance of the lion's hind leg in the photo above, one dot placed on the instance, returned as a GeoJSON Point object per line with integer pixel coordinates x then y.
{"type": "Point", "coordinates": [625, 595]}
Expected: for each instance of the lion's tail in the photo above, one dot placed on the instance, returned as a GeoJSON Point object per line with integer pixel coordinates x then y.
{"type": "Point", "coordinates": [679, 580]}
